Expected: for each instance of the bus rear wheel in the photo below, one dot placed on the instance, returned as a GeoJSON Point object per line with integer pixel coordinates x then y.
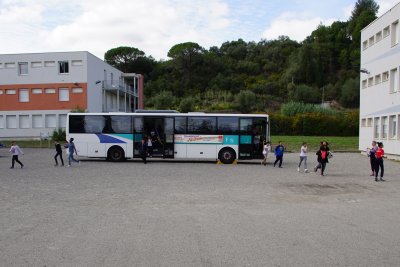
{"type": "Point", "coordinates": [116, 153]}
{"type": "Point", "coordinates": [227, 155]}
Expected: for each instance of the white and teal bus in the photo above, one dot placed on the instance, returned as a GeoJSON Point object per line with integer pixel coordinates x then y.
{"type": "Point", "coordinates": [116, 136]}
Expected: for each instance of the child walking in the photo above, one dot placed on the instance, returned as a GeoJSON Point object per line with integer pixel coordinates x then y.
{"type": "Point", "coordinates": [72, 150]}
{"type": "Point", "coordinates": [58, 154]}
{"type": "Point", "coordinates": [303, 157]}
{"type": "Point", "coordinates": [322, 154]}
{"type": "Point", "coordinates": [279, 150]}
{"type": "Point", "coordinates": [379, 161]}
{"type": "Point", "coordinates": [15, 151]}
{"type": "Point", "coordinates": [266, 150]}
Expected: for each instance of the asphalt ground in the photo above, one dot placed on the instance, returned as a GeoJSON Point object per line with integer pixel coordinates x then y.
{"type": "Point", "coordinates": [197, 214]}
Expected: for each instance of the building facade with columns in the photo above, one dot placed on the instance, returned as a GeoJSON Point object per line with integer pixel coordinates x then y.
{"type": "Point", "coordinates": [37, 90]}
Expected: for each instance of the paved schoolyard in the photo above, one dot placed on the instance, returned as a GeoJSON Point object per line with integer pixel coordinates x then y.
{"type": "Point", "coordinates": [197, 214]}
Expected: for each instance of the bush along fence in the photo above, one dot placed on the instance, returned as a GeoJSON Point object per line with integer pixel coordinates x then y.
{"type": "Point", "coordinates": [315, 124]}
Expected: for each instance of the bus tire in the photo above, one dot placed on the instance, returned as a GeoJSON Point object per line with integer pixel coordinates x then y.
{"type": "Point", "coordinates": [115, 154]}
{"type": "Point", "coordinates": [227, 155]}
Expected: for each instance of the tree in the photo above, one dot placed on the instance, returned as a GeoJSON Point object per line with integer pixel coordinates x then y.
{"type": "Point", "coordinates": [364, 12]}
{"type": "Point", "coordinates": [350, 95]}
{"type": "Point", "coordinates": [186, 56]}
{"type": "Point", "coordinates": [187, 104]}
{"type": "Point", "coordinates": [164, 100]}
{"type": "Point", "coordinates": [121, 57]}
{"type": "Point", "coordinates": [245, 101]}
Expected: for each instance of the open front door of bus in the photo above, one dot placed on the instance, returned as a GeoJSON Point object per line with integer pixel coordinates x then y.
{"type": "Point", "coordinates": [169, 137]}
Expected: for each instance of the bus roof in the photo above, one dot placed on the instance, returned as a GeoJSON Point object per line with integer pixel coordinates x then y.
{"type": "Point", "coordinates": [176, 114]}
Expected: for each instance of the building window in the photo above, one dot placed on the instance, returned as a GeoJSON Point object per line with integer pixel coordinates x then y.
{"type": "Point", "coordinates": [395, 35]}
{"type": "Point", "coordinates": [386, 31]}
{"type": "Point", "coordinates": [37, 121]}
{"type": "Point", "coordinates": [378, 79]}
{"type": "Point", "coordinates": [364, 84]}
{"type": "Point", "coordinates": [376, 128]}
{"type": "Point", "coordinates": [77, 90]}
{"type": "Point", "coordinates": [385, 76]}
{"type": "Point", "coordinates": [1, 65]}
{"type": "Point", "coordinates": [76, 63]}
{"type": "Point", "coordinates": [36, 64]}
{"type": "Point", "coordinates": [393, 127]}
{"type": "Point", "coordinates": [11, 121]}
{"type": "Point", "coordinates": [378, 36]}
{"type": "Point", "coordinates": [363, 122]}
{"type": "Point", "coordinates": [37, 91]}
{"type": "Point", "coordinates": [49, 63]}
{"type": "Point", "coordinates": [1, 121]}
{"type": "Point", "coordinates": [62, 120]}
{"type": "Point", "coordinates": [370, 81]}
{"type": "Point", "coordinates": [365, 45]}
{"type": "Point", "coordinates": [10, 92]}
{"type": "Point", "coordinates": [369, 122]}
{"type": "Point", "coordinates": [63, 67]}
{"type": "Point", "coordinates": [384, 128]}
{"type": "Point", "coordinates": [63, 94]}
{"type": "Point", "coordinates": [394, 80]}
{"type": "Point", "coordinates": [23, 68]}
{"type": "Point", "coordinates": [50, 91]}
{"type": "Point", "coordinates": [371, 41]}
{"type": "Point", "coordinates": [23, 95]}
{"type": "Point", "coordinates": [24, 121]}
{"type": "Point", "coordinates": [9, 65]}
{"type": "Point", "coordinates": [1, 92]}
{"type": "Point", "coordinates": [51, 121]}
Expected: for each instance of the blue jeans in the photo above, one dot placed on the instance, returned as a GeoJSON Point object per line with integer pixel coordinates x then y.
{"type": "Point", "coordinates": [71, 158]}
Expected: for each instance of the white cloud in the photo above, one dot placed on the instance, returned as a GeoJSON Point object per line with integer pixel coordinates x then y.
{"type": "Point", "coordinates": [295, 25]}
{"type": "Point", "coordinates": [96, 25]}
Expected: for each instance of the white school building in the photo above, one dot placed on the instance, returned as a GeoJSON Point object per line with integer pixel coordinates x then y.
{"type": "Point", "coordinates": [380, 83]}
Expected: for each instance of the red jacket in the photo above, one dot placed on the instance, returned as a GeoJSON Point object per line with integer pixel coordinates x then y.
{"type": "Point", "coordinates": [379, 153]}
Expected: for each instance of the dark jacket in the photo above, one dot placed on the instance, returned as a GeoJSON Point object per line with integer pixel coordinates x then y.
{"type": "Point", "coordinates": [320, 153]}
{"type": "Point", "coordinates": [142, 148]}
{"type": "Point", "coordinates": [58, 148]}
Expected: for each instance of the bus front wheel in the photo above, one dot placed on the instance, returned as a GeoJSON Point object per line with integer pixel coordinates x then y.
{"type": "Point", "coordinates": [227, 155]}
{"type": "Point", "coordinates": [116, 153]}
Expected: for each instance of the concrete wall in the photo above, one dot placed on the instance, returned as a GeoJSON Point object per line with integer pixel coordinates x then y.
{"type": "Point", "coordinates": [43, 68]}
{"type": "Point", "coordinates": [380, 88]}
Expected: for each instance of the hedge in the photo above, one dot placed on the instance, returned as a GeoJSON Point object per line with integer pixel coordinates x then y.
{"type": "Point", "coordinates": [315, 124]}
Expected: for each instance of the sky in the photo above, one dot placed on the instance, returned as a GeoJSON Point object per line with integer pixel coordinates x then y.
{"type": "Point", "coordinates": [154, 26]}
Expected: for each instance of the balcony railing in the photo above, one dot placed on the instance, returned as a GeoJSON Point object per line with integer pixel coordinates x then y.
{"type": "Point", "coordinates": [123, 88]}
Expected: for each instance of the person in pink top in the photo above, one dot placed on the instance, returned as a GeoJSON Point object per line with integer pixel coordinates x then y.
{"type": "Point", "coordinates": [379, 161]}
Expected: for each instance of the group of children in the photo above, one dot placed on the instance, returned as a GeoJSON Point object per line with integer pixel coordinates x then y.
{"type": "Point", "coordinates": [375, 154]}
{"type": "Point", "coordinates": [323, 155]}
{"type": "Point", "coordinates": [16, 151]}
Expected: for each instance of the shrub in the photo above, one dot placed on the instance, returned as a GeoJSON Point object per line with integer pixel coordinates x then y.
{"type": "Point", "coordinates": [187, 104]}
{"type": "Point", "coordinates": [292, 108]}
{"type": "Point", "coordinates": [245, 101]}
{"type": "Point", "coordinates": [315, 124]}
{"type": "Point", "coordinates": [59, 135]}
{"type": "Point", "coordinates": [164, 100]}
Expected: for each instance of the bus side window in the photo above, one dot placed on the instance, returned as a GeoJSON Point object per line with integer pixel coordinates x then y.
{"type": "Point", "coordinates": [180, 125]}
{"type": "Point", "coordinates": [202, 125]}
{"type": "Point", "coordinates": [228, 125]}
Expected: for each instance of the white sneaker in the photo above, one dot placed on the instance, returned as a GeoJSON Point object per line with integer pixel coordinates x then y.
{"type": "Point", "coordinates": [68, 165]}
{"type": "Point", "coordinates": [305, 171]}
{"type": "Point", "coordinates": [298, 169]}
